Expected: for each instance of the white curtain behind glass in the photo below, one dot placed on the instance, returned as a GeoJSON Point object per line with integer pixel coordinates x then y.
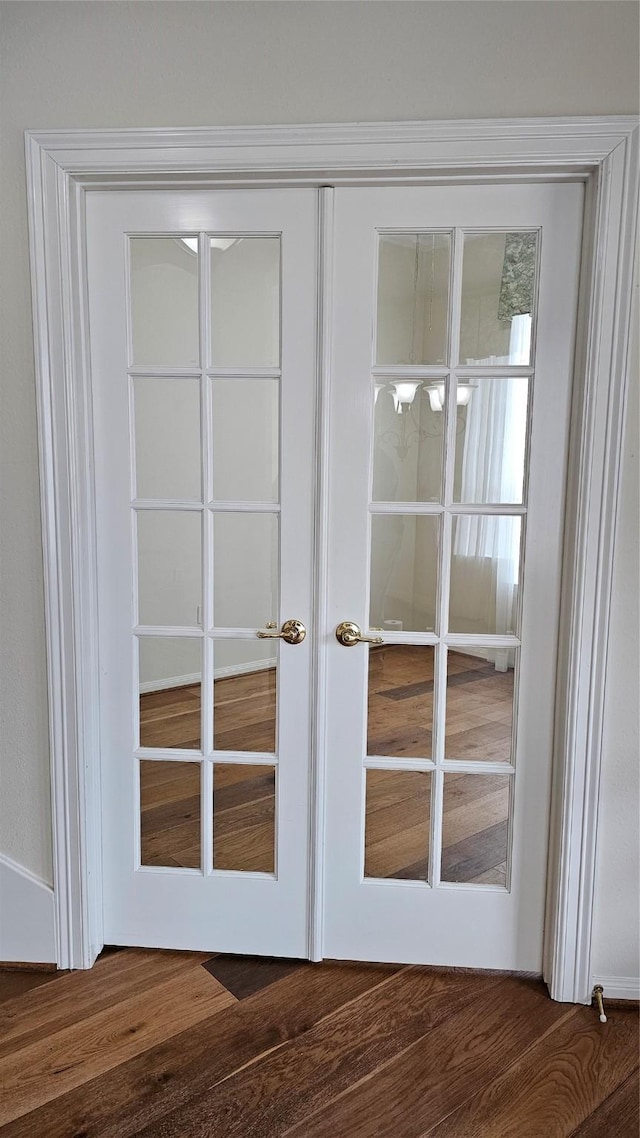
{"type": "Point", "coordinates": [492, 471]}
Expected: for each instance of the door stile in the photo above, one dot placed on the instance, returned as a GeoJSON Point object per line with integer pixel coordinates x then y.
{"type": "Point", "coordinates": [320, 598]}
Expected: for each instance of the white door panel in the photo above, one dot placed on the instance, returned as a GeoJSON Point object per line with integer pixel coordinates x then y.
{"type": "Point", "coordinates": [213, 544]}
{"type": "Point", "coordinates": [419, 277]}
{"type": "Point", "coordinates": [451, 341]}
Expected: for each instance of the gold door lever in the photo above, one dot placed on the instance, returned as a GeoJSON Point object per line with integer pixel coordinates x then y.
{"type": "Point", "coordinates": [349, 633]}
{"type": "Point", "coordinates": [293, 631]}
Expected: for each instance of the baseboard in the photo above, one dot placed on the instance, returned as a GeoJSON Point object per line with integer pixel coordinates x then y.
{"type": "Point", "coordinates": [243, 669]}
{"type": "Point", "coordinates": [218, 674]}
{"type": "Point", "coordinates": [170, 682]}
{"type": "Point", "coordinates": [619, 987]}
{"type": "Point", "coordinates": [27, 921]}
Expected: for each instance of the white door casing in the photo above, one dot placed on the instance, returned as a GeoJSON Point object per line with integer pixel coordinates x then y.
{"type": "Point", "coordinates": [63, 166]}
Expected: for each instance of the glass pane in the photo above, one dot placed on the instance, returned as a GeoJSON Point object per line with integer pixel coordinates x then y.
{"type": "Point", "coordinates": [245, 301]}
{"type": "Point", "coordinates": [404, 572]}
{"type": "Point", "coordinates": [164, 301]}
{"type": "Point", "coordinates": [245, 695]}
{"type": "Point", "coordinates": [485, 574]}
{"type": "Point", "coordinates": [475, 828]}
{"type": "Point", "coordinates": [400, 718]}
{"type": "Point", "coordinates": [479, 717]}
{"type": "Point", "coordinates": [413, 298]}
{"type": "Point", "coordinates": [167, 426]}
{"type": "Point", "coordinates": [170, 671]}
{"type": "Point", "coordinates": [169, 567]}
{"type": "Point", "coordinates": [498, 289]}
{"type": "Point", "coordinates": [397, 824]}
{"type": "Point", "coordinates": [244, 817]}
{"type": "Point", "coordinates": [245, 570]}
{"type": "Point", "coordinates": [491, 438]}
{"type": "Point", "coordinates": [170, 814]}
{"type": "Point", "coordinates": [408, 442]}
{"type": "Point", "coordinates": [245, 439]}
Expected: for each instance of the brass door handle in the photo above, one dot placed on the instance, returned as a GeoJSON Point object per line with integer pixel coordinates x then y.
{"type": "Point", "coordinates": [348, 634]}
{"type": "Point", "coordinates": [293, 631]}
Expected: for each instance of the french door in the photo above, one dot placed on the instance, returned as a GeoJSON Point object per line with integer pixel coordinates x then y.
{"type": "Point", "coordinates": [202, 313]}
{"type": "Point", "coordinates": [451, 346]}
{"type": "Point", "coordinates": [453, 335]}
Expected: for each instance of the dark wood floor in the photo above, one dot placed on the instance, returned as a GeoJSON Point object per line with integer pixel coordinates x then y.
{"type": "Point", "coordinates": [398, 803]}
{"type": "Point", "coordinates": [179, 1045]}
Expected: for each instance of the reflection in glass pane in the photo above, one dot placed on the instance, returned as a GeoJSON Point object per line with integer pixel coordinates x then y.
{"type": "Point", "coordinates": [485, 574]}
{"type": "Point", "coordinates": [479, 717]}
{"type": "Point", "coordinates": [408, 442]}
{"type": "Point", "coordinates": [170, 674]}
{"type": "Point", "coordinates": [170, 814]}
{"type": "Point", "coordinates": [244, 817]}
{"type": "Point", "coordinates": [245, 569]}
{"type": "Point", "coordinates": [167, 426]}
{"type": "Point", "coordinates": [498, 289]}
{"type": "Point", "coordinates": [413, 298]}
{"type": "Point", "coordinates": [169, 567]}
{"type": "Point", "coordinates": [491, 440]}
{"type": "Point", "coordinates": [164, 301]}
{"type": "Point", "coordinates": [404, 571]}
{"type": "Point", "coordinates": [245, 301]}
{"type": "Point", "coordinates": [245, 695]}
{"type": "Point", "coordinates": [400, 709]}
{"type": "Point", "coordinates": [397, 824]}
{"type": "Point", "coordinates": [245, 439]}
{"type": "Point", "coordinates": [475, 828]}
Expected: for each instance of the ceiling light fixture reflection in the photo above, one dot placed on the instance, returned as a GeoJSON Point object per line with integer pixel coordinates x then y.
{"type": "Point", "coordinates": [437, 397]}
{"type": "Point", "coordinates": [404, 393]}
{"type": "Point", "coordinates": [191, 243]}
{"type": "Point", "coordinates": [222, 243]}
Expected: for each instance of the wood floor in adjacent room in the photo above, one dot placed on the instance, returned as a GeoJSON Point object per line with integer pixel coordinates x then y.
{"type": "Point", "coordinates": [397, 802]}
{"type": "Point", "coordinates": [181, 1045]}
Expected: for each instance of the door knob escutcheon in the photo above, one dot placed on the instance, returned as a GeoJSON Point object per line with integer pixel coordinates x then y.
{"type": "Point", "coordinates": [293, 631]}
{"type": "Point", "coordinates": [348, 633]}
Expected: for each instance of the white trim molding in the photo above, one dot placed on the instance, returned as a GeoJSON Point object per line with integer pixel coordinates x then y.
{"type": "Point", "coordinates": [27, 919]}
{"type": "Point", "coordinates": [618, 987]}
{"type": "Point", "coordinates": [218, 674]}
{"type": "Point", "coordinates": [62, 167]}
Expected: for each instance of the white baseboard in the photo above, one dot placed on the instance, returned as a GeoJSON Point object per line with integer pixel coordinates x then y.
{"type": "Point", "coordinates": [27, 923]}
{"type": "Point", "coordinates": [244, 669]}
{"type": "Point", "coordinates": [219, 674]}
{"type": "Point", "coordinates": [170, 682]}
{"type": "Point", "coordinates": [619, 987]}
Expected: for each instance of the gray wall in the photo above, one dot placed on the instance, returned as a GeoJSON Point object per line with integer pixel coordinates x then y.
{"type": "Point", "coordinates": [147, 64]}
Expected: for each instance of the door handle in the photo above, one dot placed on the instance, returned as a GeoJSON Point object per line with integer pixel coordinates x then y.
{"type": "Point", "coordinates": [348, 634]}
{"type": "Point", "coordinates": [293, 631]}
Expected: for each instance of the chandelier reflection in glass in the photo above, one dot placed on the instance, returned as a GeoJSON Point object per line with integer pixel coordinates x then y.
{"type": "Point", "coordinates": [410, 430]}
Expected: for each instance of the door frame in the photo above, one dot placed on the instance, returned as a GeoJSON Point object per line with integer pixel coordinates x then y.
{"type": "Point", "coordinates": [62, 167]}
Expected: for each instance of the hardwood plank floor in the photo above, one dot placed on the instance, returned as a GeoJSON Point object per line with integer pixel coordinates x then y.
{"type": "Point", "coordinates": [153, 1043]}
{"type": "Point", "coordinates": [17, 981]}
{"type": "Point", "coordinates": [476, 806]}
{"type": "Point", "coordinates": [184, 1045]}
{"type": "Point", "coordinates": [37, 1071]}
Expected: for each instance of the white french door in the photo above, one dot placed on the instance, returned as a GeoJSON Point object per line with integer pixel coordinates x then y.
{"type": "Point", "coordinates": [202, 317]}
{"type": "Point", "coordinates": [452, 331]}
{"type": "Point", "coordinates": [453, 337]}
